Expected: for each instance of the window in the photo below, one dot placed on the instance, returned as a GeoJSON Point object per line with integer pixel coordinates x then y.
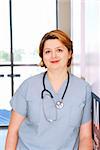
{"type": "Point", "coordinates": [85, 29]}
{"type": "Point", "coordinates": [19, 49]}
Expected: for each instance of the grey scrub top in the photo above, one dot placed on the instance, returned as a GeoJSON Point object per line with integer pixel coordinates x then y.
{"type": "Point", "coordinates": [35, 132]}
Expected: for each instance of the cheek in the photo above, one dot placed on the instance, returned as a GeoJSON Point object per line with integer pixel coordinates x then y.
{"type": "Point", "coordinates": [65, 59]}
{"type": "Point", "coordinates": [45, 60]}
{"type": "Point", "coordinates": [46, 57]}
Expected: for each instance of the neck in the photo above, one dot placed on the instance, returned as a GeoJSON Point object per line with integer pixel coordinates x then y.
{"type": "Point", "coordinates": [57, 74]}
{"type": "Point", "coordinates": [56, 78]}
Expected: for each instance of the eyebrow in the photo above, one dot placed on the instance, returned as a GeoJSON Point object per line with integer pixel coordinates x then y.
{"type": "Point", "coordinates": [46, 48]}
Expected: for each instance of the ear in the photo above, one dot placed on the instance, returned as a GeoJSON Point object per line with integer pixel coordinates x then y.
{"type": "Point", "coordinates": [41, 63]}
{"type": "Point", "coordinates": [70, 54]}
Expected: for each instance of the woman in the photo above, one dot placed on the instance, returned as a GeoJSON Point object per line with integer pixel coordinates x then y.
{"type": "Point", "coordinates": [52, 110]}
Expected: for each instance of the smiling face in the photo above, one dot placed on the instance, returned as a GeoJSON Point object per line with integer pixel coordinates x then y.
{"type": "Point", "coordinates": [55, 54]}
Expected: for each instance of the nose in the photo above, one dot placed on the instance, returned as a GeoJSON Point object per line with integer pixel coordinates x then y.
{"type": "Point", "coordinates": [53, 54]}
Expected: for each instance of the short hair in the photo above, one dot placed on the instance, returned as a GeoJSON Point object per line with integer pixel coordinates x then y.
{"type": "Point", "coordinates": [62, 37]}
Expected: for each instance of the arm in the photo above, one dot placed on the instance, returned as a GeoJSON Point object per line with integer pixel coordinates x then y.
{"type": "Point", "coordinates": [86, 137]}
{"type": "Point", "coordinates": [12, 135]}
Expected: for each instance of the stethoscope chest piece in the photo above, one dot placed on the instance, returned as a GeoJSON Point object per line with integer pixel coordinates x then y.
{"type": "Point", "coordinates": [59, 105]}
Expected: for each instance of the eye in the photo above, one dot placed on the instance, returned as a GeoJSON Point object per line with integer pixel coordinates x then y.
{"type": "Point", "coordinates": [60, 50]}
{"type": "Point", "coordinates": [47, 51]}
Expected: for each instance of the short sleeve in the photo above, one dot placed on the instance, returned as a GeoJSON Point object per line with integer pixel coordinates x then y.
{"type": "Point", "coordinates": [87, 114]}
{"type": "Point", "coordinates": [18, 101]}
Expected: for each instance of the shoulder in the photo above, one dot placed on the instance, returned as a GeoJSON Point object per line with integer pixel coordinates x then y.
{"type": "Point", "coordinates": [32, 81]}
{"type": "Point", "coordinates": [79, 81]}
{"type": "Point", "coordinates": [80, 85]}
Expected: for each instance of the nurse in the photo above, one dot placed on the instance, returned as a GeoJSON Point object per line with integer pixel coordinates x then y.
{"type": "Point", "coordinates": [52, 110]}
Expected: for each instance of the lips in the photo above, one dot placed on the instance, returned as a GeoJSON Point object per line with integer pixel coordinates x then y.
{"type": "Point", "coordinates": [54, 61]}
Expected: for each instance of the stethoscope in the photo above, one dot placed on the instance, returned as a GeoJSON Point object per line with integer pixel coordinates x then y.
{"type": "Point", "coordinates": [59, 104]}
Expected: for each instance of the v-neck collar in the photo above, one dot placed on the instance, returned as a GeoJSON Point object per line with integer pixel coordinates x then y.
{"type": "Point", "coordinates": [56, 95]}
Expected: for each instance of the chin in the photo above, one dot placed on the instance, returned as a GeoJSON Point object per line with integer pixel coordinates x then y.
{"type": "Point", "coordinates": [54, 68]}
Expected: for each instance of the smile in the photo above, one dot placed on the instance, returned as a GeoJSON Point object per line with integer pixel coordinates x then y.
{"type": "Point", "coordinates": [54, 61]}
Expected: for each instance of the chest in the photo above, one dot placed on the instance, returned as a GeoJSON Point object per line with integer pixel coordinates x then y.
{"type": "Point", "coordinates": [39, 110]}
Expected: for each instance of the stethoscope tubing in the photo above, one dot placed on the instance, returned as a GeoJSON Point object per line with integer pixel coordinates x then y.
{"type": "Point", "coordinates": [45, 90]}
{"type": "Point", "coordinates": [58, 104]}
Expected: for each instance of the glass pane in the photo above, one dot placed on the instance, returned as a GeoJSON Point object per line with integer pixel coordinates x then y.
{"type": "Point", "coordinates": [31, 19]}
{"type": "Point", "coordinates": [76, 70]}
{"type": "Point", "coordinates": [4, 32]}
{"type": "Point", "coordinates": [76, 29]}
{"type": "Point", "coordinates": [5, 88]}
{"type": "Point", "coordinates": [25, 72]}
